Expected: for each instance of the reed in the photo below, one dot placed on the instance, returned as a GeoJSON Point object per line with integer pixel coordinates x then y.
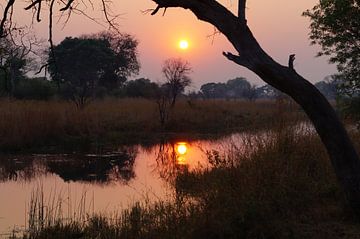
{"type": "Point", "coordinates": [279, 185]}
{"type": "Point", "coordinates": [59, 126]}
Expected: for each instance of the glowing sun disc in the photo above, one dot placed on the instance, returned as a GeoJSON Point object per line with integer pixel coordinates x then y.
{"type": "Point", "coordinates": [184, 44]}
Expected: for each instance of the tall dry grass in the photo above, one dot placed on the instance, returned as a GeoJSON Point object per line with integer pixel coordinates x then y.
{"type": "Point", "coordinates": [59, 125]}
{"type": "Point", "coordinates": [280, 185]}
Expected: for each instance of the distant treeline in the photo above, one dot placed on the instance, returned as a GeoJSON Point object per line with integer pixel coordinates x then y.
{"type": "Point", "coordinates": [40, 88]}
{"type": "Point", "coordinates": [94, 66]}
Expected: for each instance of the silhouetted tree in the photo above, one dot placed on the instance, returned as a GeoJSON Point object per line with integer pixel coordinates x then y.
{"type": "Point", "coordinates": [237, 88]}
{"type": "Point", "coordinates": [176, 72]}
{"type": "Point", "coordinates": [85, 65]}
{"type": "Point", "coordinates": [125, 63]}
{"type": "Point", "coordinates": [335, 25]}
{"type": "Point", "coordinates": [141, 88]}
{"type": "Point", "coordinates": [80, 64]}
{"type": "Point", "coordinates": [15, 59]}
{"type": "Point", "coordinates": [35, 89]}
{"type": "Point", "coordinates": [251, 93]}
{"type": "Point", "coordinates": [250, 54]}
{"type": "Point", "coordinates": [213, 90]}
{"type": "Point", "coordinates": [234, 88]}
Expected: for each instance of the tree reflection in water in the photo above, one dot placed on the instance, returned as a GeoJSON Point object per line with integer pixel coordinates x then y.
{"type": "Point", "coordinates": [19, 169]}
{"type": "Point", "coordinates": [171, 161]}
{"type": "Point", "coordinates": [101, 169]}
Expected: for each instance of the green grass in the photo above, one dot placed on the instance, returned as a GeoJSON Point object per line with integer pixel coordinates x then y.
{"type": "Point", "coordinates": [283, 187]}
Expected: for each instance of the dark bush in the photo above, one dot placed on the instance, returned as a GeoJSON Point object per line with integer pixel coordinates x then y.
{"type": "Point", "coordinates": [35, 89]}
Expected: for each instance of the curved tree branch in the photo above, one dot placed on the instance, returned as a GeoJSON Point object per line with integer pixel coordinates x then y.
{"type": "Point", "coordinates": [32, 5]}
{"type": "Point", "coordinates": [68, 5]}
{"type": "Point", "coordinates": [5, 17]}
{"type": "Point", "coordinates": [343, 156]}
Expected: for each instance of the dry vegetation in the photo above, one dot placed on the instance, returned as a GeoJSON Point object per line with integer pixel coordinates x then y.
{"type": "Point", "coordinates": [282, 187]}
{"type": "Point", "coordinates": [59, 126]}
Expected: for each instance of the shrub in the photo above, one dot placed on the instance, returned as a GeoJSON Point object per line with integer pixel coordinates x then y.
{"type": "Point", "coordinates": [34, 89]}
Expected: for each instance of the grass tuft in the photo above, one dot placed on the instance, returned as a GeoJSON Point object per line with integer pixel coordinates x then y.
{"type": "Point", "coordinates": [280, 185]}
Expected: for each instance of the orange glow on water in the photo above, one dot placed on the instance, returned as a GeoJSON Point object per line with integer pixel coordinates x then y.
{"type": "Point", "coordinates": [181, 160]}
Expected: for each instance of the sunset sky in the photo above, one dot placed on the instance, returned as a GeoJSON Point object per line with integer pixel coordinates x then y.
{"type": "Point", "coordinates": [277, 24]}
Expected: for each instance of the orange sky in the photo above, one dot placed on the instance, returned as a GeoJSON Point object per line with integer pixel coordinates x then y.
{"type": "Point", "coordinates": [277, 24]}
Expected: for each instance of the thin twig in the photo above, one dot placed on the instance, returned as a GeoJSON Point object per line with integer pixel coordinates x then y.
{"type": "Point", "coordinates": [38, 12]}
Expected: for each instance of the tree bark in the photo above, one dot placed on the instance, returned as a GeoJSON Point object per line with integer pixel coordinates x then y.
{"type": "Point", "coordinates": [344, 158]}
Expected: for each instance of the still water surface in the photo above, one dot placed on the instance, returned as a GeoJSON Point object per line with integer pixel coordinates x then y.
{"type": "Point", "coordinates": [107, 183]}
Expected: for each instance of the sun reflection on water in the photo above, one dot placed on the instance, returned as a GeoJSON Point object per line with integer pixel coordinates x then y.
{"type": "Point", "coordinates": [181, 148]}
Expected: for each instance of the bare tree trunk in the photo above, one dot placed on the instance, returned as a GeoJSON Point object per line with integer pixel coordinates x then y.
{"type": "Point", "coordinates": [343, 156]}
{"type": "Point", "coordinates": [173, 100]}
{"type": "Point", "coordinates": [12, 78]}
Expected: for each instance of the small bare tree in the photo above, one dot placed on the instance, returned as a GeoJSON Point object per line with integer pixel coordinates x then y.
{"type": "Point", "coordinates": [176, 72]}
{"type": "Point", "coordinates": [17, 52]}
{"type": "Point", "coordinates": [251, 55]}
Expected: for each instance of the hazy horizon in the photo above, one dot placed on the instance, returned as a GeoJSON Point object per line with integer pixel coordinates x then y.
{"type": "Point", "coordinates": [278, 26]}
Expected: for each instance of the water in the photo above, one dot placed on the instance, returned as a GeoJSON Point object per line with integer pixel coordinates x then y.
{"type": "Point", "coordinates": [106, 183]}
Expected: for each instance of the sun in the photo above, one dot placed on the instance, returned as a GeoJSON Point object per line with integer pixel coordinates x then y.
{"type": "Point", "coordinates": [183, 44]}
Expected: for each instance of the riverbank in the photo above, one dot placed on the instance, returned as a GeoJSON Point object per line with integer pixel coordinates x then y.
{"type": "Point", "coordinates": [58, 126]}
{"type": "Point", "coordinates": [281, 187]}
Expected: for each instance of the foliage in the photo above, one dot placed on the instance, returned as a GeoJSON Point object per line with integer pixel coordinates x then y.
{"type": "Point", "coordinates": [141, 88]}
{"type": "Point", "coordinates": [34, 89]}
{"type": "Point", "coordinates": [80, 64]}
{"type": "Point", "coordinates": [239, 87]}
{"type": "Point", "coordinates": [335, 25]}
{"type": "Point", "coordinates": [85, 66]}
{"type": "Point", "coordinates": [13, 64]}
{"type": "Point", "coordinates": [125, 64]}
{"type": "Point", "coordinates": [213, 90]}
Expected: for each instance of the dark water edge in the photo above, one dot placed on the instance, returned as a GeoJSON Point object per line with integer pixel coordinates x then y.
{"type": "Point", "coordinates": [109, 143]}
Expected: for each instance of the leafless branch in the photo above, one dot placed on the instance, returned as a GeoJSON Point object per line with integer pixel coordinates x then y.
{"type": "Point", "coordinates": [242, 11]}
{"type": "Point", "coordinates": [62, 14]}
{"type": "Point", "coordinates": [42, 68]}
{"type": "Point", "coordinates": [105, 9]}
{"type": "Point", "coordinates": [68, 5]}
{"type": "Point", "coordinates": [38, 12]}
{"type": "Point", "coordinates": [32, 4]}
{"type": "Point", "coordinates": [156, 10]}
{"type": "Point", "coordinates": [237, 59]}
{"type": "Point", "coordinates": [147, 11]}
{"type": "Point", "coordinates": [291, 61]}
{"type": "Point", "coordinates": [212, 36]}
{"type": "Point", "coordinates": [3, 20]}
{"type": "Point", "coordinates": [80, 12]}
{"type": "Point", "coordinates": [51, 8]}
